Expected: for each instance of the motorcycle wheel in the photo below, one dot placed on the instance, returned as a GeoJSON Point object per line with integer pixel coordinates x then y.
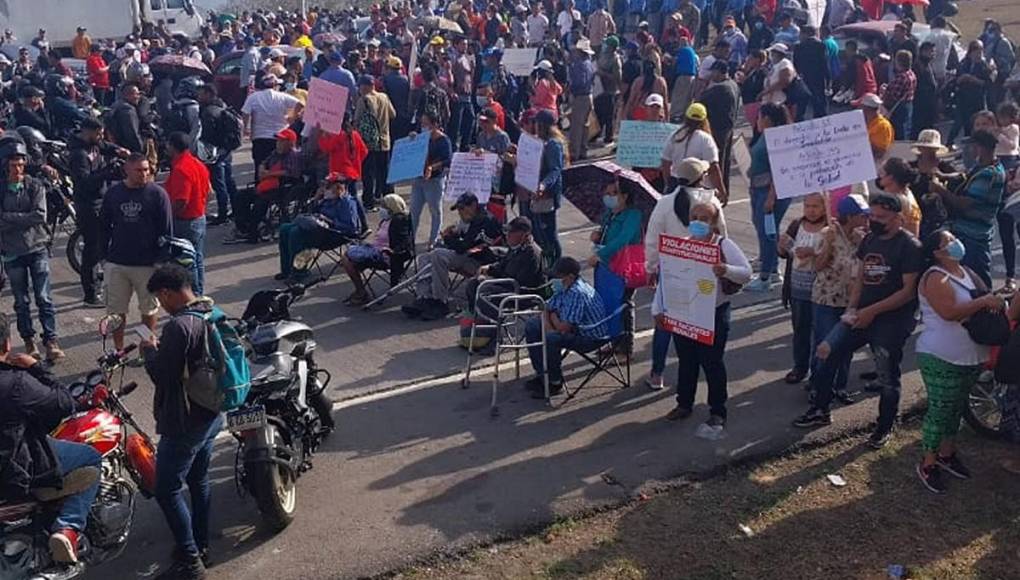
{"type": "Point", "coordinates": [324, 409]}
{"type": "Point", "coordinates": [984, 408]}
{"type": "Point", "coordinates": [75, 248]}
{"type": "Point", "coordinates": [275, 491]}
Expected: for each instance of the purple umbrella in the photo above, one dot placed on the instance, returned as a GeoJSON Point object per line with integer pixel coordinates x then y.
{"type": "Point", "coordinates": [583, 186]}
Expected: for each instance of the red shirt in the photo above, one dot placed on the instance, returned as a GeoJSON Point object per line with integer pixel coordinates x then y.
{"type": "Point", "coordinates": [346, 153]}
{"type": "Point", "coordinates": [188, 182]}
{"type": "Point", "coordinates": [500, 113]}
{"type": "Point", "coordinates": [99, 72]}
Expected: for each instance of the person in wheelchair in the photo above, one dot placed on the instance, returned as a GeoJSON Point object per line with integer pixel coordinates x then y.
{"type": "Point", "coordinates": [570, 321]}
{"type": "Point", "coordinates": [464, 248]}
{"type": "Point", "coordinates": [522, 262]}
{"type": "Point", "coordinates": [337, 218]}
{"type": "Point", "coordinates": [277, 177]}
{"type": "Point", "coordinates": [391, 249]}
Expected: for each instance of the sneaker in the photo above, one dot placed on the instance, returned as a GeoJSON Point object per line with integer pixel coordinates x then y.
{"type": "Point", "coordinates": [761, 285]}
{"type": "Point", "coordinates": [868, 376]}
{"type": "Point", "coordinates": [435, 310]}
{"type": "Point", "coordinates": [932, 478]}
{"type": "Point", "coordinates": [879, 439]}
{"type": "Point", "coordinates": [795, 376]}
{"type": "Point", "coordinates": [281, 276]}
{"type": "Point", "coordinates": [53, 351]}
{"type": "Point", "coordinates": [554, 389]}
{"type": "Point", "coordinates": [654, 382]}
{"type": "Point", "coordinates": [872, 387]}
{"type": "Point", "coordinates": [814, 417]}
{"type": "Point", "coordinates": [844, 397]}
{"type": "Point", "coordinates": [716, 421]}
{"type": "Point", "coordinates": [64, 546]}
{"type": "Point", "coordinates": [31, 348]}
{"type": "Point", "coordinates": [203, 553]}
{"type": "Point", "coordinates": [186, 568]}
{"type": "Point", "coordinates": [93, 302]}
{"type": "Point", "coordinates": [953, 466]}
{"type": "Point", "coordinates": [1009, 287]}
{"type": "Point", "coordinates": [678, 413]}
{"type": "Point", "coordinates": [535, 384]}
{"type": "Point", "coordinates": [415, 308]}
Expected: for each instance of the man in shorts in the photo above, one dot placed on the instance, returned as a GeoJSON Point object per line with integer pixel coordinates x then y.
{"type": "Point", "coordinates": [136, 214]}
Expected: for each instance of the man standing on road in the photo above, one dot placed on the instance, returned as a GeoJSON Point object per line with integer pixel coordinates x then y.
{"type": "Point", "coordinates": [250, 63]}
{"type": "Point", "coordinates": [811, 60]}
{"type": "Point", "coordinates": [880, 314]}
{"type": "Point", "coordinates": [538, 25]}
{"type": "Point", "coordinates": [91, 170]}
{"type": "Point", "coordinates": [581, 79]}
{"type": "Point", "coordinates": [462, 95]}
{"type": "Point", "coordinates": [221, 170]}
{"type": "Point", "coordinates": [338, 75]}
{"type": "Point", "coordinates": [722, 99]}
{"type": "Point", "coordinates": [24, 248]}
{"type": "Point", "coordinates": [186, 428]}
{"type": "Point", "coordinates": [136, 214]}
{"type": "Point", "coordinates": [188, 187]}
{"type": "Point", "coordinates": [124, 120]}
{"type": "Point", "coordinates": [373, 116]}
{"type": "Point", "coordinates": [266, 113]}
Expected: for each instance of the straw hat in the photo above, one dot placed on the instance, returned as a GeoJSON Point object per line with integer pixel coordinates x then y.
{"type": "Point", "coordinates": [929, 139]}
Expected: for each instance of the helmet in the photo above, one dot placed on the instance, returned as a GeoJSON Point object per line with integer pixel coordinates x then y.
{"type": "Point", "coordinates": [33, 139]}
{"type": "Point", "coordinates": [58, 85]}
{"type": "Point", "coordinates": [177, 251]}
{"type": "Point", "coordinates": [187, 88]}
{"type": "Point", "coordinates": [950, 9]}
{"type": "Point", "coordinates": [13, 148]}
{"type": "Point", "coordinates": [137, 71]}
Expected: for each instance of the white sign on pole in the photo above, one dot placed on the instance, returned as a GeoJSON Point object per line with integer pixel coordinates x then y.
{"type": "Point", "coordinates": [327, 103]}
{"type": "Point", "coordinates": [472, 173]}
{"type": "Point", "coordinates": [820, 154]}
{"type": "Point", "coordinates": [529, 162]}
{"type": "Point", "coordinates": [519, 61]}
{"type": "Point", "coordinates": [412, 64]}
{"type": "Point", "coordinates": [687, 287]}
{"type": "Point", "coordinates": [816, 11]}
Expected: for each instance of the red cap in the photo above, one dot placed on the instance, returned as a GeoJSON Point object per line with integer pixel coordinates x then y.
{"type": "Point", "coordinates": [334, 177]}
{"type": "Point", "coordinates": [287, 135]}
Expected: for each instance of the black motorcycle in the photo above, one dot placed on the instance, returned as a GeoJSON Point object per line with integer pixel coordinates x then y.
{"type": "Point", "coordinates": [287, 414]}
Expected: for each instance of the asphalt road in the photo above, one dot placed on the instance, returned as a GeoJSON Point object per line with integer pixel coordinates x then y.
{"type": "Point", "coordinates": [418, 466]}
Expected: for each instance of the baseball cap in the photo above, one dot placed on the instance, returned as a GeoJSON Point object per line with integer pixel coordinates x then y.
{"type": "Point", "coordinates": [692, 169]}
{"type": "Point", "coordinates": [276, 53]}
{"type": "Point", "coordinates": [720, 66]}
{"type": "Point", "coordinates": [394, 62]}
{"type": "Point", "coordinates": [366, 81]}
{"type": "Point", "coordinates": [519, 224]}
{"type": "Point", "coordinates": [870, 100]}
{"type": "Point", "coordinates": [886, 201]}
{"type": "Point", "coordinates": [654, 99]}
{"type": "Point", "coordinates": [696, 112]}
{"type": "Point", "coordinates": [779, 47]}
{"type": "Point", "coordinates": [545, 117]}
{"type": "Point", "coordinates": [270, 80]}
{"type": "Point", "coordinates": [544, 65]}
{"type": "Point", "coordinates": [487, 114]}
{"type": "Point", "coordinates": [852, 205]}
{"type": "Point", "coordinates": [465, 200]}
{"type": "Point", "coordinates": [287, 135]}
{"type": "Point", "coordinates": [336, 56]}
{"type": "Point", "coordinates": [334, 177]}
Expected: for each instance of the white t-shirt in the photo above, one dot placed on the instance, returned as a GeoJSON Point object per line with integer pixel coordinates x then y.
{"type": "Point", "coordinates": [566, 20]}
{"type": "Point", "coordinates": [697, 144]}
{"type": "Point", "coordinates": [1008, 144]}
{"type": "Point", "coordinates": [704, 71]}
{"type": "Point", "coordinates": [268, 109]}
{"type": "Point", "coordinates": [538, 27]}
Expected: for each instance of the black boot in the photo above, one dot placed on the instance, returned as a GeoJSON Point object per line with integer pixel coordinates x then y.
{"type": "Point", "coordinates": [185, 567]}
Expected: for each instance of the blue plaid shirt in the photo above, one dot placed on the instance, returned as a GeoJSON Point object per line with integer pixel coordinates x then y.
{"type": "Point", "coordinates": [581, 306]}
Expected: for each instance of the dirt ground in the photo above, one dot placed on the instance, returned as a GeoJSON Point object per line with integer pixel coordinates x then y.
{"type": "Point", "coordinates": [786, 520]}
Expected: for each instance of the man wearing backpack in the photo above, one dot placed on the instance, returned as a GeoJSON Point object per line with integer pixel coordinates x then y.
{"type": "Point", "coordinates": [186, 427]}
{"type": "Point", "coordinates": [222, 128]}
{"type": "Point", "coordinates": [373, 115]}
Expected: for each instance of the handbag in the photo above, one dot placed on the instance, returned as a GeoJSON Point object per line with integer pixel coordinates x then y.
{"type": "Point", "coordinates": [985, 327]}
{"type": "Point", "coordinates": [629, 264]}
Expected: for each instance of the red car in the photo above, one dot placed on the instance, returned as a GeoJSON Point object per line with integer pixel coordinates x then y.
{"type": "Point", "coordinates": [227, 74]}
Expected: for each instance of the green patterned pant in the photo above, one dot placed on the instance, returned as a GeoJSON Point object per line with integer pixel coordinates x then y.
{"type": "Point", "coordinates": [948, 386]}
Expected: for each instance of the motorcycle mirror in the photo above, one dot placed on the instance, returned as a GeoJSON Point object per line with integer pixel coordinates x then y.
{"type": "Point", "coordinates": [110, 323]}
{"type": "Point", "coordinates": [303, 260]}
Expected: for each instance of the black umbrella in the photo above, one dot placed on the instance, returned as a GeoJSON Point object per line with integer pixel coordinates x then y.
{"type": "Point", "coordinates": [583, 186]}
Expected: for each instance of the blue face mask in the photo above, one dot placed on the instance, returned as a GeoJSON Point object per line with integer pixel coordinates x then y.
{"type": "Point", "coordinates": [699, 229]}
{"type": "Point", "coordinates": [610, 201]}
{"type": "Point", "coordinates": [557, 285]}
{"type": "Point", "coordinates": [384, 214]}
{"type": "Point", "coordinates": [956, 250]}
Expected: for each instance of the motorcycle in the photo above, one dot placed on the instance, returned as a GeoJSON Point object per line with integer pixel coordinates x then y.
{"type": "Point", "coordinates": [286, 415]}
{"type": "Point", "coordinates": [105, 423]}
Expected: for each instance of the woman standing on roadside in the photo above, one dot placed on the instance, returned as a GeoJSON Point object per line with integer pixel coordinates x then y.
{"type": "Point", "coordinates": [545, 202]}
{"type": "Point", "coordinates": [766, 210]}
{"type": "Point", "coordinates": [949, 360]}
{"type": "Point", "coordinates": [428, 189]}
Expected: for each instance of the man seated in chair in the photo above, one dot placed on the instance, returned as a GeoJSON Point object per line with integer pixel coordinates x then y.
{"type": "Point", "coordinates": [574, 320]}
{"type": "Point", "coordinates": [337, 219]}
{"type": "Point", "coordinates": [522, 262]}
{"type": "Point", "coordinates": [278, 174]}
{"type": "Point", "coordinates": [464, 248]}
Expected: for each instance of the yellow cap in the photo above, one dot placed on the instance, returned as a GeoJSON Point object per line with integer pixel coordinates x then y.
{"type": "Point", "coordinates": [394, 62]}
{"type": "Point", "coordinates": [697, 112]}
{"type": "Point", "coordinates": [437, 41]}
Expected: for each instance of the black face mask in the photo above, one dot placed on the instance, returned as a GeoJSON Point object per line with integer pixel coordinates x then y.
{"type": "Point", "coordinates": [878, 183]}
{"type": "Point", "coordinates": [877, 228]}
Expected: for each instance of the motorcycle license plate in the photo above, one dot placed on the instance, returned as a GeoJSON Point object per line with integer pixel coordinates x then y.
{"type": "Point", "coordinates": [246, 419]}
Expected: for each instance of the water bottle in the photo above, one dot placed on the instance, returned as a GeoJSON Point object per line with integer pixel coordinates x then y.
{"type": "Point", "coordinates": [770, 226]}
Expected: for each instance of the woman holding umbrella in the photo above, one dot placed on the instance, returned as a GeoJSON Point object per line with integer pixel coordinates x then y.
{"type": "Point", "coordinates": [618, 243]}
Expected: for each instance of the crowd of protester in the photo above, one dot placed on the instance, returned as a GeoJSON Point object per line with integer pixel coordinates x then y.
{"type": "Point", "coordinates": [860, 262]}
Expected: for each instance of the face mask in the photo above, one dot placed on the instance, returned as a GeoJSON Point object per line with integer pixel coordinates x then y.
{"type": "Point", "coordinates": [878, 183]}
{"type": "Point", "coordinates": [290, 86]}
{"type": "Point", "coordinates": [482, 101]}
{"type": "Point", "coordinates": [610, 201]}
{"type": "Point", "coordinates": [699, 229]}
{"type": "Point", "coordinates": [877, 228]}
{"type": "Point", "coordinates": [557, 285]}
{"type": "Point", "coordinates": [384, 214]}
{"type": "Point", "coordinates": [956, 250]}
{"type": "Point", "coordinates": [759, 25]}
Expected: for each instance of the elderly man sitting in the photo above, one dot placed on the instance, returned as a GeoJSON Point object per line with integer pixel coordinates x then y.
{"type": "Point", "coordinates": [523, 261]}
{"type": "Point", "coordinates": [464, 248]}
{"type": "Point", "coordinates": [572, 321]}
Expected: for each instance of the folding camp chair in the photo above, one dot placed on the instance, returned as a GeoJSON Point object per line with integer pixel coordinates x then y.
{"type": "Point", "coordinates": [328, 247]}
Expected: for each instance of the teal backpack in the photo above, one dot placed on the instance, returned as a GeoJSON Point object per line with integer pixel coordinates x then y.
{"type": "Point", "coordinates": [222, 379]}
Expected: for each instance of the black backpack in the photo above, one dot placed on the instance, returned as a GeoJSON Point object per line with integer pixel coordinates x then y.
{"type": "Point", "coordinates": [227, 129]}
{"type": "Point", "coordinates": [176, 119]}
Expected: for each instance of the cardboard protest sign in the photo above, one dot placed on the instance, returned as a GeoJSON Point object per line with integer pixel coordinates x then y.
{"type": "Point", "coordinates": [327, 103]}
{"type": "Point", "coordinates": [407, 161]}
{"type": "Point", "coordinates": [640, 143]}
{"type": "Point", "coordinates": [529, 162]}
{"type": "Point", "coordinates": [687, 287]}
{"type": "Point", "coordinates": [472, 173]}
{"type": "Point", "coordinates": [519, 61]}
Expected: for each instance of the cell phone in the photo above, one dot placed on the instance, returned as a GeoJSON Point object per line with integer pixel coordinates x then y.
{"type": "Point", "coordinates": [144, 333]}
{"type": "Point", "coordinates": [770, 225]}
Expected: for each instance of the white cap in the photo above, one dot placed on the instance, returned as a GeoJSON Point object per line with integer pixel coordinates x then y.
{"type": "Point", "coordinates": [869, 100]}
{"type": "Point", "coordinates": [780, 47]}
{"type": "Point", "coordinates": [130, 46]}
{"type": "Point", "coordinates": [654, 99]}
{"type": "Point", "coordinates": [276, 53]}
{"type": "Point", "coordinates": [544, 65]}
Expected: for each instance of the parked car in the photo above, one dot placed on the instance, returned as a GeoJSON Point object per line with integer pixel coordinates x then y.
{"type": "Point", "coordinates": [227, 74]}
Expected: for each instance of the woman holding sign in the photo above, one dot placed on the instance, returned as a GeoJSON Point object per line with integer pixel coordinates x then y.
{"type": "Point", "coordinates": [546, 201]}
{"type": "Point", "coordinates": [428, 189]}
{"type": "Point", "coordinates": [766, 211]}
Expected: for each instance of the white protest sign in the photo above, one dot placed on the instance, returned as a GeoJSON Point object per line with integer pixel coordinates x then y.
{"type": "Point", "coordinates": [815, 10]}
{"type": "Point", "coordinates": [327, 103]}
{"type": "Point", "coordinates": [640, 143]}
{"type": "Point", "coordinates": [412, 64]}
{"type": "Point", "coordinates": [529, 162]}
{"type": "Point", "coordinates": [820, 154]}
{"type": "Point", "coordinates": [687, 287]}
{"type": "Point", "coordinates": [519, 61]}
{"type": "Point", "coordinates": [471, 173]}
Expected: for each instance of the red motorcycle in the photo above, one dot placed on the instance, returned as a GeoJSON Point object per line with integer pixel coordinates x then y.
{"type": "Point", "coordinates": [129, 466]}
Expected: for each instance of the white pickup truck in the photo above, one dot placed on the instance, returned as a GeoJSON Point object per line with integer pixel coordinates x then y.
{"type": "Point", "coordinates": [103, 18]}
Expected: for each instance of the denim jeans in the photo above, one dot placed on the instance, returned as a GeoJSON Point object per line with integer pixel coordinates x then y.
{"type": "Point", "coordinates": [767, 249]}
{"type": "Point", "coordinates": [184, 459]}
{"type": "Point", "coordinates": [886, 337]}
{"type": "Point", "coordinates": [221, 174]}
{"type": "Point", "coordinates": [660, 349]}
{"type": "Point", "coordinates": [428, 192]}
{"type": "Point", "coordinates": [292, 241]}
{"type": "Point", "coordinates": [801, 316]}
{"type": "Point", "coordinates": [33, 269]}
{"type": "Point", "coordinates": [695, 357]}
{"type": "Point", "coordinates": [462, 124]}
{"type": "Point", "coordinates": [74, 512]}
{"type": "Point", "coordinates": [555, 342]}
{"type": "Point", "coordinates": [901, 120]}
{"type": "Point", "coordinates": [978, 257]}
{"type": "Point", "coordinates": [373, 177]}
{"type": "Point", "coordinates": [826, 318]}
{"type": "Point", "coordinates": [194, 232]}
{"type": "Point", "coordinates": [547, 236]}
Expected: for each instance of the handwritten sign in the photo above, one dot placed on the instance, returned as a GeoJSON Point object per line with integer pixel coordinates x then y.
{"type": "Point", "coordinates": [640, 143]}
{"type": "Point", "coordinates": [529, 162]}
{"type": "Point", "coordinates": [519, 61]}
{"type": "Point", "coordinates": [820, 154]}
{"type": "Point", "coordinates": [412, 65]}
{"type": "Point", "coordinates": [327, 103]}
{"type": "Point", "coordinates": [470, 173]}
{"type": "Point", "coordinates": [408, 159]}
{"type": "Point", "coordinates": [687, 288]}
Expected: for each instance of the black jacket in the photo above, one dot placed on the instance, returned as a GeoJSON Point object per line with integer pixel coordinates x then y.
{"type": "Point", "coordinates": [123, 125]}
{"type": "Point", "coordinates": [36, 119]}
{"type": "Point", "coordinates": [34, 403]}
{"type": "Point", "coordinates": [91, 170]}
{"type": "Point", "coordinates": [811, 60]}
{"type": "Point", "coordinates": [523, 264]}
{"type": "Point", "coordinates": [476, 240]}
